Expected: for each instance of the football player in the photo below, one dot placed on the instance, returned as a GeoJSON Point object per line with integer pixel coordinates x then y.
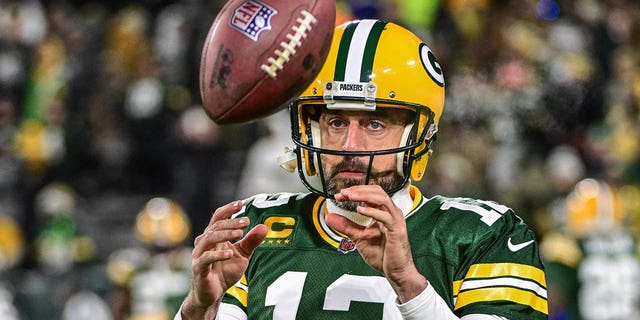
{"type": "Point", "coordinates": [365, 243]}
{"type": "Point", "coordinates": [592, 258]}
{"type": "Point", "coordinates": [151, 279]}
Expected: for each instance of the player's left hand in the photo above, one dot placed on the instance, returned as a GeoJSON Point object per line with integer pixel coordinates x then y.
{"type": "Point", "coordinates": [384, 243]}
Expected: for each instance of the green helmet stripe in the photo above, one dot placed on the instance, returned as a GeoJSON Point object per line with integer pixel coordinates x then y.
{"type": "Point", "coordinates": [343, 52]}
{"type": "Point", "coordinates": [357, 50]}
{"type": "Point", "coordinates": [370, 50]}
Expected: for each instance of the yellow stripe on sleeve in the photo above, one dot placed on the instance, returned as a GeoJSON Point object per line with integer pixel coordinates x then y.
{"type": "Point", "coordinates": [239, 291]}
{"type": "Point", "coordinates": [456, 287]}
{"type": "Point", "coordinates": [502, 281]}
{"type": "Point", "coordinates": [493, 270]}
{"type": "Point", "coordinates": [502, 293]}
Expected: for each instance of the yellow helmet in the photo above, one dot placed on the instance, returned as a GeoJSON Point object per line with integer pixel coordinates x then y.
{"type": "Point", "coordinates": [162, 223]}
{"type": "Point", "coordinates": [372, 64]}
{"type": "Point", "coordinates": [593, 206]}
{"type": "Point", "coordinates": [12, 242]}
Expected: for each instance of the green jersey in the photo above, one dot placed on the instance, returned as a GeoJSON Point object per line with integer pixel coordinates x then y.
{"type": "Point", "coordinates": [478, 256]}
{"type": "Point", "coordinates": [595, 276]}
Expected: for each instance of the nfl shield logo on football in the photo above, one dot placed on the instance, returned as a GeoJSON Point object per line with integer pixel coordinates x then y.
{"type": "Point", "coordinates": [346, 245]}
{"type": "Point", "coordinates": [252, 17]}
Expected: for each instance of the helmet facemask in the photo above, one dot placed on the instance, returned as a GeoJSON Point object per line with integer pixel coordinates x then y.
{"type": "Point", "coordinates": [311, 155]}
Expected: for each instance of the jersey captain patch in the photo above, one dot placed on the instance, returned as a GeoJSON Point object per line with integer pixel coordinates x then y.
{"type": "Point", "coordinates": [281, 230]}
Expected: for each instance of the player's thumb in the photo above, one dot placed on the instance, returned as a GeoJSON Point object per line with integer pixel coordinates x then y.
{"type": "Point", "coordinates": [252, 240]}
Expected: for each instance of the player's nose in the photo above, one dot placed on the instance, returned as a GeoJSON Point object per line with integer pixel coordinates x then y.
{"type": "Point", "coordinates": [354, 139]}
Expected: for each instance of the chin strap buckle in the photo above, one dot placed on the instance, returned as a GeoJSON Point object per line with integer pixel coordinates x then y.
{"type": "Point", "coordinates": [287, 159]}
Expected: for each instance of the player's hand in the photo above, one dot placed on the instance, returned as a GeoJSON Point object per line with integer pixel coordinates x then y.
{"type": "Point", "coordinates": [384, 243]}
{"type": "Point", "coordinates": [217, 264]}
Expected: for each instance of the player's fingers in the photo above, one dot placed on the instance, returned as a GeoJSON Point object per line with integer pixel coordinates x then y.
{"type": "Point", "coordinates": [382, 216]}
{"type": "Point", "coordinates": [343, 225]}
{"type": "Point", "coordinates": [252, 240]}
{"type": "Point", "coordinates": [226, 211]}
{"type": "Point", "coordinates": [211, 239]}
{"type": "Point", "coordinates": [372, 195]}
{"type": "Point", "coordinates": [228, 224]}
{"type": "Point", "coordinates": [201, 264]}
{"type": "Point", "coordinates": [378, 204]}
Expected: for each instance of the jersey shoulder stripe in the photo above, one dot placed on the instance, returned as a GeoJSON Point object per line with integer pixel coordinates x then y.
{"type": "Point", "coordinates": [520, 283]}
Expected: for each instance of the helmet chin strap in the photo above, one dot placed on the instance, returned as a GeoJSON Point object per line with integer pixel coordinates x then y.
{"type": "Point", "coordinates": [351, 215]}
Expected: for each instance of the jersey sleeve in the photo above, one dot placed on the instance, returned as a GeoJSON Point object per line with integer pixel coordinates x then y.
{"type": "Point", "coordinates": [501, 272]}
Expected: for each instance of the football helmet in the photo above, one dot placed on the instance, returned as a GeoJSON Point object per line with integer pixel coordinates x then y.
{"type": "Point", "coordinates": [162, 223]}
{"type": "Point", "coordinates": [12, 243]}
{"type": "Point", "coordinates": [372, 64]}
{"type": "Point", "coordinates": [593, 206]}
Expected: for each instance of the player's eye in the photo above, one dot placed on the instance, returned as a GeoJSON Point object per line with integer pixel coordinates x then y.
{"type": "Point", "coordinates": [376, 125]}
{"type": "Point", "coordinates": [337, 123]}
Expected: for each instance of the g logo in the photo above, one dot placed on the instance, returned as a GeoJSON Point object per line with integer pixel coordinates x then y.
{"type": "Point", "coordinates": [431, 65]}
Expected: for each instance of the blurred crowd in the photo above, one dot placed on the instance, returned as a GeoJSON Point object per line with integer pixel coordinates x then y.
{"type": "Point", "coordinates": [101, 126]}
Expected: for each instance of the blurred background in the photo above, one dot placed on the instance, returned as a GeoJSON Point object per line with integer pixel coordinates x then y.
{"type": "Point", "coordinates": [109, 168]}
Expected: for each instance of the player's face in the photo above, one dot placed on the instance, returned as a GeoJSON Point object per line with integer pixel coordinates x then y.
{"type": "Point", "coordinates": [361, 131]}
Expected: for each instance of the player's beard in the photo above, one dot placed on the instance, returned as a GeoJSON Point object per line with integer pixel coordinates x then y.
{"type": "Point", "coordinates": [388, 180]}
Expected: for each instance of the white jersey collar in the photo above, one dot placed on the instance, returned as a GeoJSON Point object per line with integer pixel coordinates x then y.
{"type": "Point", "coordinates": [402, 199]}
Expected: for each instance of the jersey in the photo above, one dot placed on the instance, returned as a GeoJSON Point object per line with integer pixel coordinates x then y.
{"type": "Point", "coordinates": [593, 277]}
{"type": "Point", "coordinates": [478, 256]}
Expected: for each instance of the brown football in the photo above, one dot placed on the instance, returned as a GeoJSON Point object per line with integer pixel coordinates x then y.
{"type": "Point", "coordinates": [260, 54]}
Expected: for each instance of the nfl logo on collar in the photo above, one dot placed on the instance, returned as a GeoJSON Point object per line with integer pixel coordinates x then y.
{"type": "Point", "coordinates": [251, 18]}
{"type": "Point", "coordinates": [346, 246]}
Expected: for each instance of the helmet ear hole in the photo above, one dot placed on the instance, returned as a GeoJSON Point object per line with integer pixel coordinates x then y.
{"type": "Point", "coordinates": [419, 167]}
{"type": "Point", "coordinates": [422, 154]}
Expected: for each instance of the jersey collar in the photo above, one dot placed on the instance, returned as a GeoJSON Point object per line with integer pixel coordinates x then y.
{"type": "Point", "coordinates": [407, 199]}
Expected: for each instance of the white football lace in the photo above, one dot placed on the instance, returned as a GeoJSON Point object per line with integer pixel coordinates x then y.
{"type": "Point", "coordinates": [289, 49]}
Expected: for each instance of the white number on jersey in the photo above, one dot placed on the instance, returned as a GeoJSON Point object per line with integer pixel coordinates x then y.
{"type": "Point", "coordinates": [488, 216]}
{"type": "Point", "coordinates": [286, 292]}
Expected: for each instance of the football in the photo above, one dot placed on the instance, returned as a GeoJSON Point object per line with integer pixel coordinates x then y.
{"type": "Point", "coordinates": [260, 54]}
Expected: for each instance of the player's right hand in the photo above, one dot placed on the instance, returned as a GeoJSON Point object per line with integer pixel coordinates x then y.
{"type": "Point", "coordinates": [217, 263]}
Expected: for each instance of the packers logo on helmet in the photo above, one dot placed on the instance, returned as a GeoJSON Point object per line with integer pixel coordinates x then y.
{"type": "Point", "coordinates": [372, 64]}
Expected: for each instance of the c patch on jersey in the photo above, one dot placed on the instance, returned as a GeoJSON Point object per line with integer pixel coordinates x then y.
{"type": "Point", "coordinates": [281, 230]}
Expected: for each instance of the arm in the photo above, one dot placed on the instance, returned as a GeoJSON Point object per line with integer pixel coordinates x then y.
{"type": "Point", "coordinates": [217, 264]}
{"type": "Point", "coordinates": [225, 311]}
{"type": "Point", "coordinates": [384, 244]}
{"type": "Point", "coordinates": [429, 305]}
